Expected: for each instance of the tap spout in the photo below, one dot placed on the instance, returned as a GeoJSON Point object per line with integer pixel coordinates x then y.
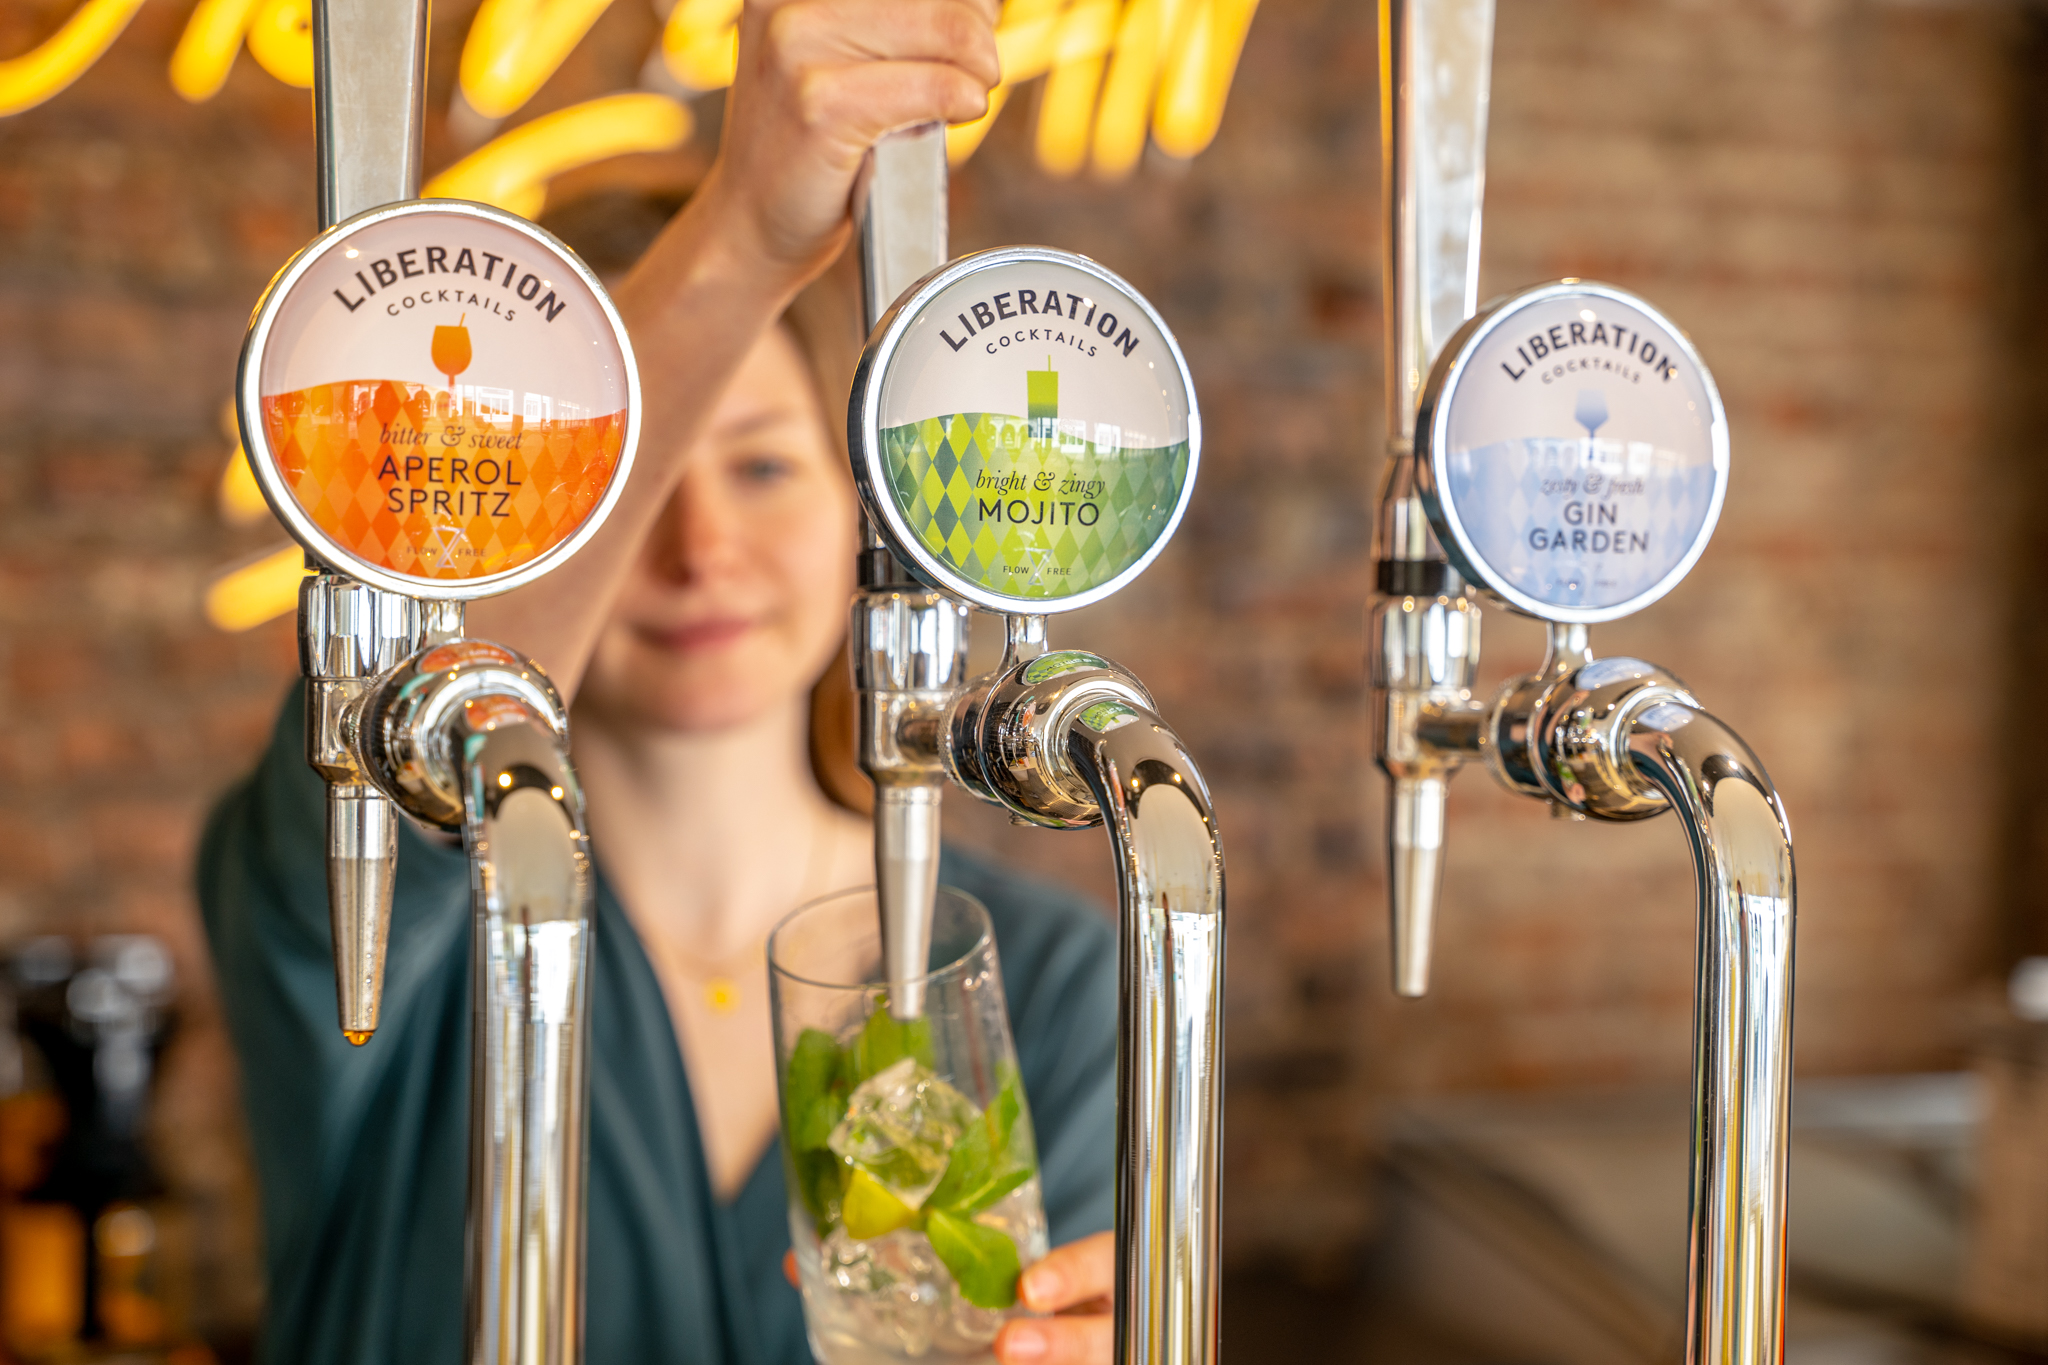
{"type": "Point", "coordinates": [1415, 873]}
{"type": "Point", "coordinates": [1623, 740]}
{"type": "Point", "coordinates": [362, 867]}
{"type": "Point", "coordinates": [1426, 725]}
{"type": "Point", "coordinates": [909, 663]}
{"type": "Point", "coordinates": [349, 634]}
{"type": "Point", "coordinates": [1169, 865]}
{"type": "Point", "coordinates": [906, 887]}
{"type": "Point", "coordinates": [1742, 1048]}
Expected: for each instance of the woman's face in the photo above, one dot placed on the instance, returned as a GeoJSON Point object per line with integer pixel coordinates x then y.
{"type": "Point", "coordinates": [738, 600]}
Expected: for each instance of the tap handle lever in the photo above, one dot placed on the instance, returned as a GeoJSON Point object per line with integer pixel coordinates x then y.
{"type": "Point", "coordinates": [369, 89]}
{"type": "Point", "coordinates": [900, 206]}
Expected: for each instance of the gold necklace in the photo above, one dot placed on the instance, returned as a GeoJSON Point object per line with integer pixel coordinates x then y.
{"type": "Point", "coordinates": [719, 978]}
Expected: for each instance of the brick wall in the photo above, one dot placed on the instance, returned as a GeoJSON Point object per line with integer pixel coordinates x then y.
{"type": "Point", "coordinates": [1819, 191]}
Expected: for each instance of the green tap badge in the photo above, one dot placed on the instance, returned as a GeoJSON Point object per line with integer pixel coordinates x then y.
{"type": "Point", "coordinates": [1025, 429]}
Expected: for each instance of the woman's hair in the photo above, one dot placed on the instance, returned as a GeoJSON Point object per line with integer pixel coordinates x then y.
{"type": "Point", "coordinates": [825, 323]}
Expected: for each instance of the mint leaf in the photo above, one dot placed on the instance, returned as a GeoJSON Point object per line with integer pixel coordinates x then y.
{"type": "Point", "coordinates": [883, 1041]}
{"type": "Point", "coordinates": [811, 1125]}
{"type": "Point", "coordinates": [820, 1179]}
{"type": "Point", "coordinates": [991, 1158]}
{"type": "Point", "coordinates": [812, 1099]}
{"type": "Point", "coordinates": [982, 1260]}
{"type": "Point", "coordinates": [990, 1191]}
{"type": "Point", "coordinates": [813, 1102]}
{"type": "Point", "coordinates": [968, 1166]}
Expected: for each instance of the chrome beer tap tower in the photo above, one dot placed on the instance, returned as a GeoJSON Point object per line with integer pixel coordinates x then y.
{"type": "Point", "coordinates": [410, 498]}
{"type": "Point", "coordinates": [1028, 516]}
{"type": "Point", "coordinates": [1563, 451]}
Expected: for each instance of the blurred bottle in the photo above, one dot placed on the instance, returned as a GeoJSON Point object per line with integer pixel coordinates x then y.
{"type": "Point", "coordinates": [89, 1247]}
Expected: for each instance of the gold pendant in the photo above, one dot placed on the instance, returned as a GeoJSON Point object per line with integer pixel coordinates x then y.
{"type": "Point", "coordinates": [722, 994]}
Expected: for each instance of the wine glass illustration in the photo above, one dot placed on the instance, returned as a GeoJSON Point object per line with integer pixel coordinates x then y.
{"type": "Point", "coordinates": [451, 357]}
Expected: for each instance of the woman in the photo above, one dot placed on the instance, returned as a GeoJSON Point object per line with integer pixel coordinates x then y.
{"type": "Point", "coordinates": [689, 633]}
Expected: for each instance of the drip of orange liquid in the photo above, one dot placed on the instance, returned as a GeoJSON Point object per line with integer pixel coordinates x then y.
{"type": "Point", "coordinates": [358, 1036]}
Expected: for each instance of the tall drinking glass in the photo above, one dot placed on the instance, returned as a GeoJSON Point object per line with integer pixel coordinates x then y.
{"type": "Point", "coordinates": [913, 1176]}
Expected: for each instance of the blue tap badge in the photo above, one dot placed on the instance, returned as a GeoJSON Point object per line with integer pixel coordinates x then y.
{"type": "Point", "coordinates": [1576, 452]}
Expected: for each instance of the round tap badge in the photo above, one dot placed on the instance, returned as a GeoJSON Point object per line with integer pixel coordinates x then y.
{"type": "Point", "coordinates": [1025, 429]}
{"type": "Point", "coordinates": [1577, 452]}
{"type": "Point", "coordinates": [438, 399]}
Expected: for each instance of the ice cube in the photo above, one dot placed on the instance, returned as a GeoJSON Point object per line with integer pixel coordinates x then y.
{"type": "Point", "coordinates": [900, 1127]}
{"type": "Point", "coordinates": [968, 1330]}
{"type": "Point", "coordinates": [1020, 1215]}
{"type": "Point", "coordinates": [890, 1292]}
{"type": "Point", "coordinates": [848, 1265]}
{"type": "Point", "coordinates": [921, 1292]}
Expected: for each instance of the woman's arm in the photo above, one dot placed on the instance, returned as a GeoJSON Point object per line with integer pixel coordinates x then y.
{"type": "Point", "coordinates": [819, 82]}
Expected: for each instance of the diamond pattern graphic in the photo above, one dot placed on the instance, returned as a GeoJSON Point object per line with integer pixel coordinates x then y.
{"type": "Point", "coordinates": [1577, 522]}
{"type": "Point", "coordinates": [1019, 515]}
{"type": "Point", "coordinates": [405, 487]}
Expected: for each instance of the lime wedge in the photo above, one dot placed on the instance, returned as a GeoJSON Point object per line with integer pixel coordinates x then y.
{"type": "Point", "coordinates": [870, 1210]}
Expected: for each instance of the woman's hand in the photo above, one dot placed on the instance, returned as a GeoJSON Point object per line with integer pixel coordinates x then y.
{"type": "Point", "coordinates": [819, 81]}
{"type": "Point", "coordinates": [1075, 1281]}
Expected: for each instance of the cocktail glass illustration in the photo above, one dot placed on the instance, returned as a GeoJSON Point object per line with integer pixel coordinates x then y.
{"type": "Point", "coordinates": [451, 357]}
{"type": "Point", "coordinates": [1591, 412]}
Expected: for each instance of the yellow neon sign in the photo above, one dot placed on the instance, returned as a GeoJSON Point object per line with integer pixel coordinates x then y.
{"type": "Point", "coordinates": [700, 43]}
{"type": "Point", "coordinates": [512, 171]}
{"type": "Point", "coordinates": [262, 590]}
{"type": "Point", "coordinates": [1078, 53]}
{"type": "Point", "coordinates": [60, 59]}
{"type": "Point", "coordinates": [1116, 71]}
{"type": "Point", "coordinates": [1193, 89]}
{"type": "Point", "coordinates": [515, 45]}
{"type": "Point", "coordinates": [206, 50]}
{"type": "Point", "coordinates": [281, 40]}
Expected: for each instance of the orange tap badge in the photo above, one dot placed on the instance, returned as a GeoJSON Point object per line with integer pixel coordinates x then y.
{"type": "Point", "coordinates": [465, 478]}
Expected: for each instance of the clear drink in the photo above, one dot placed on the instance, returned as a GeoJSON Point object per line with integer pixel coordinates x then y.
{"type": "Point", "coordinates": [913, 1173]}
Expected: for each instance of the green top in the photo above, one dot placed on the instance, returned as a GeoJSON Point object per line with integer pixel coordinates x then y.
{"type": "Point", "coordinates": [363, 1153]}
